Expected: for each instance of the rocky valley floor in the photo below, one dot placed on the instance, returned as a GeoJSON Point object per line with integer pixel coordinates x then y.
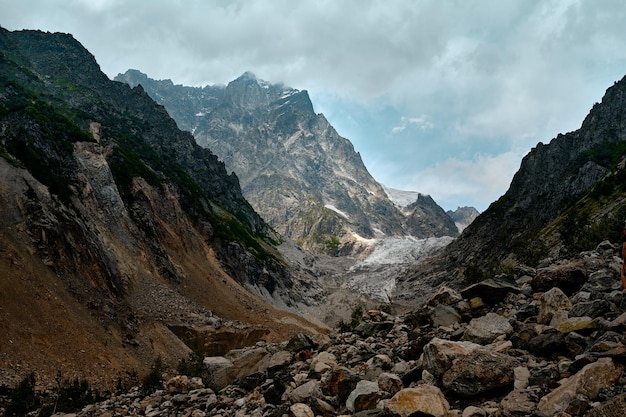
{"type": "Point", "coordinates": [542, 342]}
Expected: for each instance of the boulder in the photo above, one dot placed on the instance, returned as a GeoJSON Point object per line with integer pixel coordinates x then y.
{"type": "Point", "coordinates": [522, 376]}
{"type": "Point", "coordinates": [427, 400]}
{"type": "Point", "coordinates": [444, 296]}
{"type": "Point", "coordinates": [583, 325]}
{"type": "Point", "coordinates": [548, 344]}
{"type": "Point", "coordinates": [604, 280]}
{"type": "Point", "coordinates": [553, 307]}
{"type": "Point", "coordinates": [483, 330]}
{"type": "Point", "coordinates": [443, 315]}
{"type": "Point", "coordinates": [279, 360]}
{"type": "Point", "coordinates": [217, 372]}
{"type": "Point", "coordinates": [492, 290]}
{"type": "Point", "coordinates": [273, 392]}
{"type": "Point", "coordinates": [518, 403]}
{"type": "Point", "coordinates": [300, 342]}
{"type": "Point", "coordinates": [586, 383]}
{"type": "Point", "coordinates": [249, 361]}
{"type": "Point", "coordinates": [301, 410]}
{"type": "Point", "coordinates": [439, 354]}
{"type": "Point", "coordinates": [389, 382]}
{"type": "Point", "coordinates": [480, 372]}
{"type": "Point", "coordinates": [341, 382]}
{"type": "Point", "coordinates": [376, 365]}
{"type": "Point", "coordinates": [322, 362]}
{"type": "Point", "coordinates": [372, 328]}
{"type": "Point", "coordinates": [364, 397]}
{"type": "Point", "coordinates": [568, 277]}
{"type": "Point", "coordinates": [594, 308]}
{"type": "Point", "coordinates": [304, 392]}
{"type": "Point", "coordinates": [473, 411]}
{"type": "Point", "coordinates": [177, 384]}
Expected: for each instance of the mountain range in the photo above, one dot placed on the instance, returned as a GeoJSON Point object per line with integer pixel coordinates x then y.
{"type": "Point", "coordinates": [123, 240]}
{"type": "Point", "coordinates": [298, 173]}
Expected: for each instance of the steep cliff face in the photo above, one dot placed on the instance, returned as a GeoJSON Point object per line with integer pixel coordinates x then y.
{"type": "Point", "coordinates": [116, 225]}
{"type": "Point", "coordinates": [302, 177]}
{"type": "Point", "coordinates": [573, 177]}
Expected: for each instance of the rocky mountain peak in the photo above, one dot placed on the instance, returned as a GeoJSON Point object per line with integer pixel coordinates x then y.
{"type": "Point", "coordinates": [302, 177]}
{"type": "Point", "coordinates": [250, 93]}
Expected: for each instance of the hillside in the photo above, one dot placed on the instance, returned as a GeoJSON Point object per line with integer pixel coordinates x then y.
{"type": "Point", "coordinates": [122, 240]}
{"type": "Point", "coordinates": [304, 179]}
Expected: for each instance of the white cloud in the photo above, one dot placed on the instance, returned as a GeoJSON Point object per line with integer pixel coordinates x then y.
{"type": "Point", "coordinates": [487, 77]}
{"type": "Point", "coordinates": [478, 181]}
{"type": "Point", "coordinates": [422, 123]}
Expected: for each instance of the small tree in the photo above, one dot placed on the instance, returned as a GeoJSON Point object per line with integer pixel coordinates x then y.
{"type": "Point", "coordinates": [154, 380]}
{"type": "Point", "coordinates": [192, 366]}
{"type": "Point", "coordinates": [22, 399]}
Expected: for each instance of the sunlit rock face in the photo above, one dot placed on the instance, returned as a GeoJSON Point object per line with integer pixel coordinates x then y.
{"type": "Point", "coordinates": [303, 178]}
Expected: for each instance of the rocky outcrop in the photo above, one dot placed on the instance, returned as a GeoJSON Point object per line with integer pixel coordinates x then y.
{"type": "Point", "coordinates": [417, 368]}
{"type": "Point", "coordinates": [298, 173]}
{"type": "Point", "coordinates": [580, 172]}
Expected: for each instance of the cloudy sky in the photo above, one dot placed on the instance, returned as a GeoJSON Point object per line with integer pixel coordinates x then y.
{"type": "Point", "coordinates": [444, 97]}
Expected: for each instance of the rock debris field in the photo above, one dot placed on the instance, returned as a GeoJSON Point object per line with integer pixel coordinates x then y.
{"type": "Point", "coordinates": [540, 342]}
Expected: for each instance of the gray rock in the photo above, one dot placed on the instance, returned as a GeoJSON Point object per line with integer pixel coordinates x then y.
{"type": "Point", "coordinates": [300, 342]}
{"type": "Point", "coordinates": [377, 365]}
{"type": "Point", "coordinates": [218, 372]}
{"type": "Point", "coordinates": [553, 307]}
{"type": "Point", "coordinates": [310, 389]}
{"type": "Point", "coordinates": [364, 397]}
{"type": "Point", "coordinates": [593, 309]}
{"type": "Point", "coordinates": [518, 403]}
{"type": "Point", "coordinates": [483, 330]}
{"type": "Point", "coordinates": [443, 315]}
{"type": "Point", "coordinates": [480, 372]}
{"type": "Point", "coordinates": [491, 290]}
{"type": "Point", "coordinates": [301, 410]}
{"type": "Point", "coordinates": [389, 382]}
{"type": "Point", "coordinates": [279, 360]}
{"type": "Point", "coordinates": [604, 280]}
{"type": "Point", "coordinates": [249, 361]}
{"type": "Point", "coordinates": [439, 354]}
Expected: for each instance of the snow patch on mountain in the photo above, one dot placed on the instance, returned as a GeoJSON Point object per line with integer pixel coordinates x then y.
{"type": "Point", "coordinates": [336, 210]}
{"type": "Point", "coordinates": [400, 197]}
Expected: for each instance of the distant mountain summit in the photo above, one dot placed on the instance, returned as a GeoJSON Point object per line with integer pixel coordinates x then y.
{"type": "Point", "coordinates": [304, 179]}
{"type": "Point", "coordinates": [463, 216]}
